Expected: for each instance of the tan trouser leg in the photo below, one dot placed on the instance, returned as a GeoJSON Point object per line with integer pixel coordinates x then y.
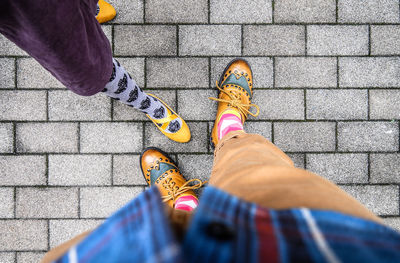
{"type": "Point", "coordinates": [252, 168]}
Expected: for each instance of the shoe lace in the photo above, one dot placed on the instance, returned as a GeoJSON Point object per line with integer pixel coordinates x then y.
{"type": "Point", "coordinates": [234, 101]}
{"type": "Point", "coordinates": [174, 191]}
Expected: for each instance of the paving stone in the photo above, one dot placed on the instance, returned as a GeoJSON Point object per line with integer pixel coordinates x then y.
{"type": "Point", "coordinates": [340, 168]}
{"type": "Point", "coordinates": [30, 74]}
{"type": "Point", "coordinates": [177, 72]}
{"type": "Point", "coordinates": [279, 104]}
{"type": "Point", "coordinates": [385, 40]}
{"type": "Point", "coordinates": [337, 40]}
{"type": "Point", "coordinates": [359, 11]}
{"type": "Point", "coordinates": [261, 67]}
{"type": "Point", "coordinates": [47, 202]}
{"type": "Point", "coordinates": [101, 202]}
{"type": "Point", "coordinates": [305, 72]}
{"type": "Point", "coordinates": [148, 40]}
{"type": "Point", "coordinates": [6, 138]}
{"type": "Point", "coordinates": [305, 136]}
{"type": "Point", "coordinates": [7, 257]}
{"type": "Point", "coordinates": [196, 105]}
{"type": "Point", "coordinates": [63, 230]}
{"type": "Point", "coordinates": [298, 159]}
{"type": "Point", "coordinates": [369, 72]}
{"type": "Point", "coordinates": [114, 137]}
{"type": "Point", "coordinates": [29, 257]}
{"type": "Point", "coordinates": [8, 48]}
{"type": "Point", "coordinates": [384, 104]}
{"type": "Point", "coordinates": [23, 170]}
{"type": "Point", "coordinates": [107, 29]}
{"type": "Point", "coordinates": [368, 136]}
{"type": "Point", "coordinates": [178, 11]}
{"type": "Point", "coordinates": [79, 169]}
{"type": "Point", "coordinates": [128, 11]}
{"type": "Point", "coordinates": [379, 199]}
{"type": "Point", "coordinates": [135, 67]}
{"type": "Point", "coordinates": [209, 40]}
{"type": "Point", "coordinates": [337, 104]}
{"type": "Point", "coordinates": [198, 142]}
{"type": "Point", "coordinates": [127, 170]}
{"type": "Point", "coordinates": [393, 222]}
{"type": "Point", "coordinates": [305, 11]}
{"type": "Point", "coordinates": [274, 40]}
{"type": "Point", "coordinates": [47, 137]}
{"type": "Point", "coordinates": [240, 11]}
{"type": "Point", "coordinates": [7, 78]}
{"type": "Point", "coordinates": [23, 234]}
{"type": "Point", "coordinates": [257, 127]}
{"type": "Point", "coordinates": [123, 112]}
{"type": "Point", "coordinates": [385, 168]}
{"type": "Point", "coordinates": [23, 105]}
{"type": "Point", "coordinates": [65, 105]}
{"type": "Point", "coordinates": [7, 202]}
{"type": "Point", "coordinates": [196, 166]}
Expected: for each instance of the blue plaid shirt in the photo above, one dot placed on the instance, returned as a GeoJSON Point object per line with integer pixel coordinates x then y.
{"type": "Point", "coordinates": [227, 229]}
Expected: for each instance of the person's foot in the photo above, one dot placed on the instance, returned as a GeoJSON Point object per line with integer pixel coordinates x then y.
{"type": "Point", "coordinates": [234, 99]}
{"type": "Point", "coordinates": [172, 126]}
{"type": "Point", "coordinates": [104, 12]}
{"type": "Point", "coordinates": [160, 170]}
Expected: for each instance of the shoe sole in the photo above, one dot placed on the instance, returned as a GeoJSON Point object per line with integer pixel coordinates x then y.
{"type": "Point", "coordinates": [219, 83]}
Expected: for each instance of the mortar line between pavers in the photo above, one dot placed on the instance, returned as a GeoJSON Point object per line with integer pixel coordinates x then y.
{"type": "Point", "coordinates": [369, 40]}
{"type": "Point", "coordinates": [15, 257]}
{"type": "Point", "coordinates": [14, 126]}
{"type": "Point", "coordinates": [305, 161]}
{"type": "Point", "coordinates": [47, 168]}
{"type": "Point", "coordinates": [336, 137]}
{"type": "Point", "coordinates": [399, 197]}
{"type": "Point", "coordinates": [177, 40]}
{"type": "Point", "coordinates": [111, 109]}
{"type": "Point", "coordinates": [241, 39]}
{"type": "Point", "coordinates": [48, 234]}
{"type": "Point", "coordinates": [305, 103]}
{"type": "Point", "coordinates": [209, 12]}
{"type": "Point", "coordinates": [273, 11]}
{"type": "Point", "coordinates": [306, 41]}
{"type": "Point", "coordinates": [144, 12]}
{"type": "Point", "coordinates": [47, 105]}
{"type": "Point", "coordinates": [112, 40]}
{"type": "Point", "coordinates": [15, 202]}
{"type": "Point", "coordinates": [145, 73]}
{"type": "Point", "coordinates": [15, 73]}
{"type": "Point", "coordinates": [272, 132]}
{"type": "Point", "coordinates": [143, 136]}
{"type": "Point", "coordinates": [368, 105]}
{"type": "Point", "coordinates": [337, 11]}
{"type": "Point", "coordinates": [337, 73]}
{"type": "Point", "coordinates": [79, 137]}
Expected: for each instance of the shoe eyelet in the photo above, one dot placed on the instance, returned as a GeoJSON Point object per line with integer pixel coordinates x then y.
{"type": "Point", "coordinates": [248, 79]}
{"type": "Point", "coordinates": [246, 75]}
{"type": "Point", "coordinates": [230, 71]}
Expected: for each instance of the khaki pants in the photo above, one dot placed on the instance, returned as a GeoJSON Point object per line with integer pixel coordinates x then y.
{"type": "Point", "coordinates": [253, 169]}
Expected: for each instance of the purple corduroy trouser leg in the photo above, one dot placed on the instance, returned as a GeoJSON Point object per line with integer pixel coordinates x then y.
{"type": "Point", "coordinates": [64, 37]}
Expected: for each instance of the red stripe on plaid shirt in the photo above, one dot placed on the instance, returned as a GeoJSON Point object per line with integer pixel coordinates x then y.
{"type": "Point", "coordinates": [267, 242]}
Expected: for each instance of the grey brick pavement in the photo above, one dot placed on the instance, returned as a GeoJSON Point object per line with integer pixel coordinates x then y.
{"type": "Point", "coordinates": [327, 80]}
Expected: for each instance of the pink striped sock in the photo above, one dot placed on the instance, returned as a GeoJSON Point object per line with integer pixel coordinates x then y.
{"type": "Point", "coordinates": [186, 202]}
{"type": "Point", "coordinates": [229, 122]}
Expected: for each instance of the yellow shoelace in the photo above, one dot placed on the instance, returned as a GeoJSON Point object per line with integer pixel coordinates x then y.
{"type": "Point", "coordinates": [174, 191]}
{"type": "Point", "coordinates": [237, 103]}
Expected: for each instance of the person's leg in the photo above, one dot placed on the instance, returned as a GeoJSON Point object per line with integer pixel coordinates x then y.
{"type": "Point", "coordinates": [67, 40]}
{"type": "Point", "coordinates": [252, 168]}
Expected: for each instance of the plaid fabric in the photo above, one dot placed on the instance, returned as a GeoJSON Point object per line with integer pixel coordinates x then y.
{"type": "Point", "coordinates": [226, 229]}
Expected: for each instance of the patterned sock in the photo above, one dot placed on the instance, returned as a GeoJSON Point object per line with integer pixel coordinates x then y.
{"type": "Point", "coordinates": [123, 88]}
{"type": "Point", "coordinates": [229, 121]}
{"type": "Point", "coordinates": [186, 202]}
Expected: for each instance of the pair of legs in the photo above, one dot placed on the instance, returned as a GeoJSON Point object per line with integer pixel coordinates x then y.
{"type": "Point", "coordinates": [65, 37]}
